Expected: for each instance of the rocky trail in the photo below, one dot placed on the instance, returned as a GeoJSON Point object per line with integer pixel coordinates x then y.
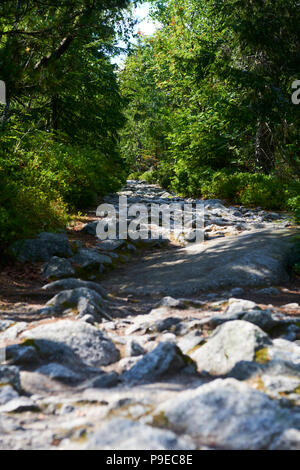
{"type": "Point", "coordinates": [154, 344]}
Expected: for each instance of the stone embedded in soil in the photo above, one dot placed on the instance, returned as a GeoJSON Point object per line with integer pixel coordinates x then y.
{"type": "Point", "coordinates": [64, 338]}
{"type": "Point", "coordinates": [10, 375]}
{"type": "Point", "coordinates": [229, 344]}
{"type": "Point", "coordinates": [90, 258]}
{"type": "Point", "coordinates": [71, 298]}
{"type": "Point", "coordinates": [227, 414]}
{"type": "Point", "coordinates": [42, 248]}
{"type": "Point", "coordinates": [165, 360]}
{"type": "Point", "coordinates": [57, 267]}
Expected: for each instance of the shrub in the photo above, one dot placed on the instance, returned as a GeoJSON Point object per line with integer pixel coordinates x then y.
{"type": "Point", "coordinates": [42, 180]}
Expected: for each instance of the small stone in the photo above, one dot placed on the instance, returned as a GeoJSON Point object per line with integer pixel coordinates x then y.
{"type": "Point", "coordinates": [166, 359]}
{"type": "Point", "coordinates": [105, 380]}
{"type": "Point", "coordinates": [167, 324]}
{"type": "Point", "coordinates": [238, 306]}
{"type": "Point", "coordinates": [10, 375]}
{"type": "Point", "coordinates": [134, 349]}
{"type": "Point", "coordinates": [90, 228]}
{"type": "Point", "coordinates": [7, 393]}
{"type": "Point", "coordinates": [59, 372]}
{"type": "Point", "coordinates": [236, 291]}
{"type": "Point", "coordinates": [170, 302]}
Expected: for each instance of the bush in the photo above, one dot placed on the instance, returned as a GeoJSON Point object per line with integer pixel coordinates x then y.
{"type": "Point", "coordinates": [42, 180]}
{"type": "Point", "coordinates": [293, 204]}
{"type": "Point", "coordinates": [150, 176]}
{"type": "Point", "coordinates": [249, 189]}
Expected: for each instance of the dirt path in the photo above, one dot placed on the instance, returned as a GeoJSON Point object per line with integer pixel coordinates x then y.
{"type": "Point", "coordinates": [192, 327]}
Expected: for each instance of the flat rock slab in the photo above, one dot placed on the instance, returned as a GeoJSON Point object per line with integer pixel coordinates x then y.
{"type": "Point", "coordinates": [259, 258]}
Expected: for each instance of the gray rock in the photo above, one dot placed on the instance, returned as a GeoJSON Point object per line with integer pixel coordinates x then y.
{"type": "Point", "coordinates": [268, 291]}
{"type": "Point", "coordinates": [288, 440]}
{"type": "Point", "coordinates": [90, 258]}
{"type": "Point", "coordinates": [105, 380]}
{"type": "Point", "coordinates": [110, 245]}
{"type": "Point", "coordinates": [134, 349]}
{"type": "Point", "coordinates": [236, 291]}
{"type": "Point", "coordinates": [261, 318]}
{"type": "Point", "coordinates": [252, 260]}
{"type": "Point", "coordinates": [124, 434]}
{"type": "Point", "coordinates": [244, 370]}
{"type": "Point", "coordinates": [170, 302]}
{"type": "Point", "coordinates": [90, 228]}
{"type": "Point", "coordinates": [20, 354]}
{"type": "Point", "coordinates": [227, 414]}
{"type": "Point", "coordinates": [90, 344]}
{"type": "Point", "coordinates": [292, 305]}
{"type": "Point", "coordinates": [167, 324]}
{"type": "Point", "coordinates": [280, 384]}
{"type": "Point", "coordinates": [7, 393]}
{"type": "Point", "coordinates": [59, 372]}
{"type": "Point", "coordinates": [71, 298]}
{"type": "Point", "coordinates": [57, 267]}
{"type": "Point", "coordinates": [88, 319]}
{"type": "Point", "coordinates": [42, 248]}
{"type": "Point", "coordinates": [230, 343]}
{"type": "Point", "coordinates": [239, 306]}
{"type": "Point", "coordinates": [10, 375]}
{"type": "Point", "coordinates": [86, 307]}
{"type": "Point", "coordinates": [166, 359]}
{"type": "Point", "coordinates": [291, 332]}
{"type": "Point", "coordinates": [285, 353]}
{"type": "Point", "coordinates": [71, 283]}
{"type": "Point", "coordinates": [189, 342]}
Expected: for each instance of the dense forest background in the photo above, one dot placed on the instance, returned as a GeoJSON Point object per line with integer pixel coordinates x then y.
{"type": "Point", "coordinates": [203, 106]}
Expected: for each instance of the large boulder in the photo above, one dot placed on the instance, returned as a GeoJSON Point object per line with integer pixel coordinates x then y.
{"type": "Point", "coordinates": [71, 298]}
{"type": "Point", "coordinates": [87, 342]}
{"type": "Point", "coordinates": [124, 434]}
{"type": "Point", "coordinates": [227, 414]}
{"type": "Point", "coordinates": [229, 344]}
{"type": "Point", "coordinates": [42, 248]}
{"type": "Point", "coordinates": [255, 259]}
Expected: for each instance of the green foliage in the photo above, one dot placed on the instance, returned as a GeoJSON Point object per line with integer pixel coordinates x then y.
{"type": "Point", "coordinates": [209, 101]}
{"type": "Point", "coordinates": [59, 144]}
{"type": "Point", "coordinates": [293, 204]}
{"type": "Point", "coordinates": [150, 176]}
{"type": "Point", "coordinates": [247, 188]}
